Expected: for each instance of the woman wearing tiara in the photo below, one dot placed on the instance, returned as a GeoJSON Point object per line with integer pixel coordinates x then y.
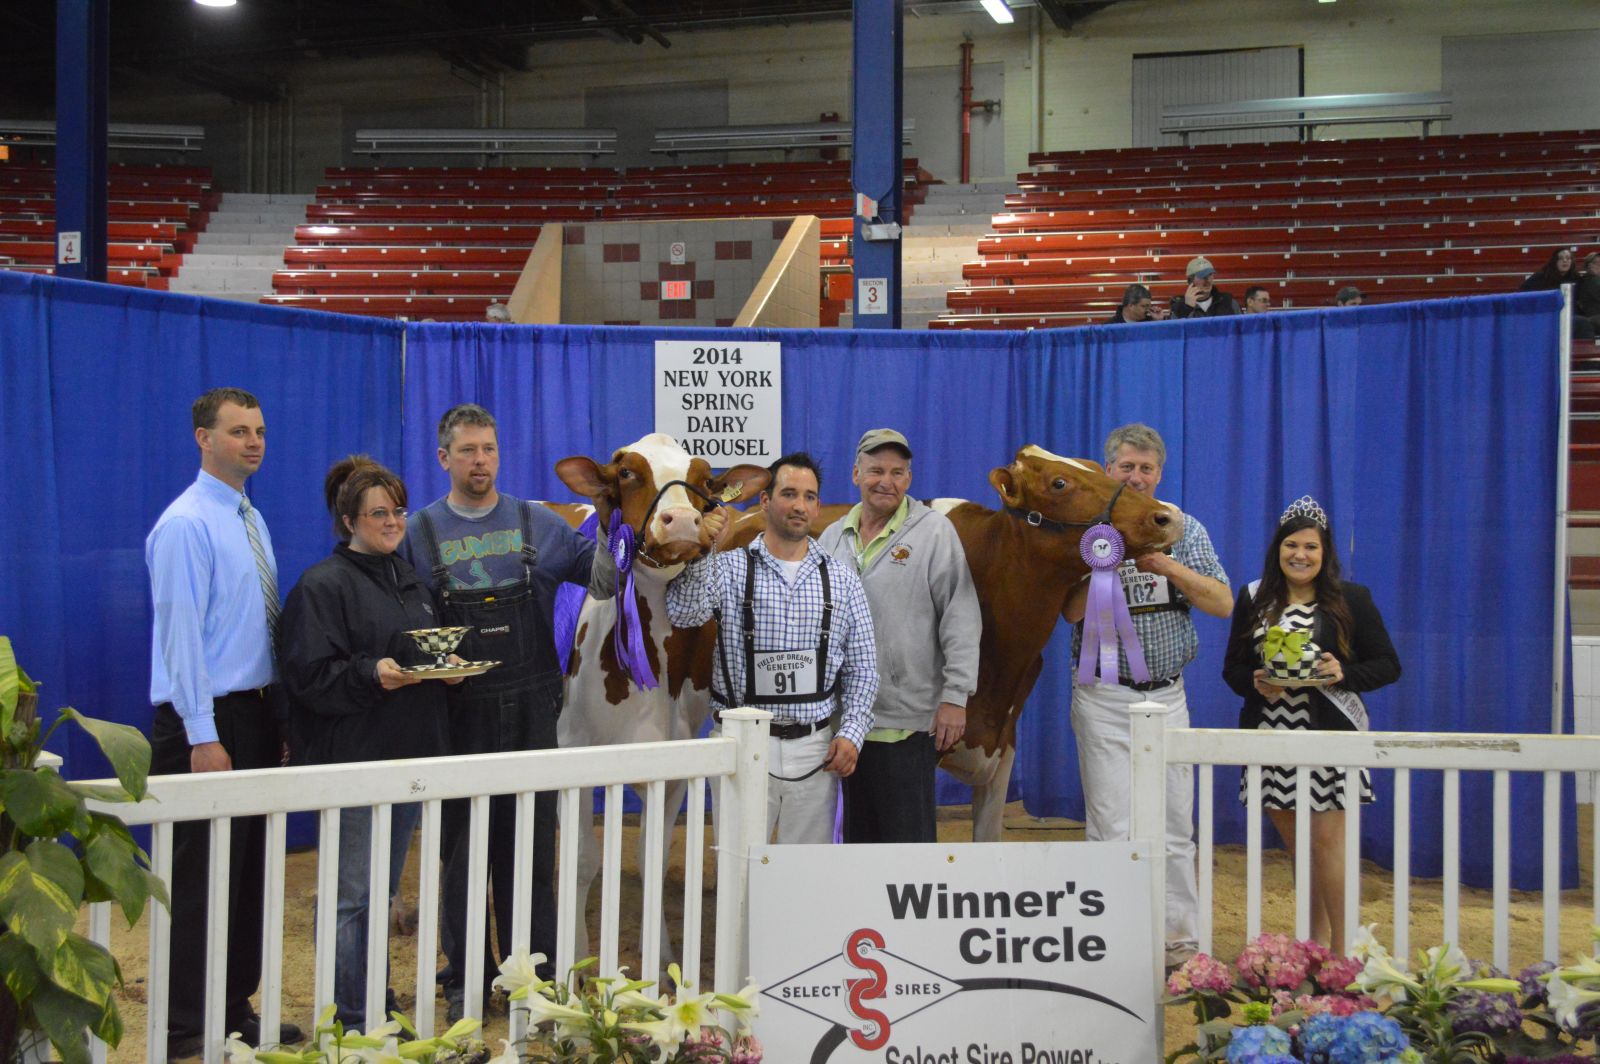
{"type": "Point", "coordinates": [342, 649]}
{"type": "Point", "coordinates": [1298, 600]}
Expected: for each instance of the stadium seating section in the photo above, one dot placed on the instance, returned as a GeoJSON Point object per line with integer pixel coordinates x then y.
{"type": "Point", "coordinates": [1399, 218]}
{"type": "Point", "coordinates": [153, 212]}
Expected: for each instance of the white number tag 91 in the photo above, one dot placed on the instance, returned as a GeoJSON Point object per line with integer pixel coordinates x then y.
{"type": "Point", "coordinates": [786, 673]}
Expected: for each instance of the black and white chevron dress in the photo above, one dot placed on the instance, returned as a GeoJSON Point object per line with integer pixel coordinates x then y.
{"type": "Point", "coordinates": [1297, 709]}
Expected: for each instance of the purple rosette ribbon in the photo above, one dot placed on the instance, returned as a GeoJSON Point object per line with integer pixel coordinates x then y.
{"type": "Point", "coordinates": [569, 602]}
{"type": "Point", "coordinates": [1107, 623]}
{"type": "Point", "coordinates": [627, 635]}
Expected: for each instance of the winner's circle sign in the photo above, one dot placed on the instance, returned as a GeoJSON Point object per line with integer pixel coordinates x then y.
{"type": "Point", "coordinates": [993, 953]}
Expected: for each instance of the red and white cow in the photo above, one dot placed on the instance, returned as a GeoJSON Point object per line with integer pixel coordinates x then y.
{"type": "Point", "coordinates": [1023, 570]}
{"type": "Point", "coordinates": [603, 705]}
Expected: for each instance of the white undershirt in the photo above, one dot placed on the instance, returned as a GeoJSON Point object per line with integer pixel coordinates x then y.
{"type": "Point", "coordinates": [791, 570]}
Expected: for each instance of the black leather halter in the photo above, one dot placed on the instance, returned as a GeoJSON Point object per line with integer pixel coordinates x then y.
{"type": "Point", "coordinates": [1039, 520]}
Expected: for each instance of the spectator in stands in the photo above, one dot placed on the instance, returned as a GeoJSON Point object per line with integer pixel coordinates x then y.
{"type": "Point", "coordinates": [1348, 296]}
{"type": "Point", "coordinates": [1136, 306]}
{"type": "Point", "coordinates": [497, 313]}
{"type": "Point", "coordinates": [1257, 300]}
{"type": "Point", "coordinates": [1587, 297]}
{"type": "Point", "coordinates": [1202, 299]}
{"type": "Point", "coordinates": [1562, 268]}
{"type": "Point", "coordinates": [1559, 270]}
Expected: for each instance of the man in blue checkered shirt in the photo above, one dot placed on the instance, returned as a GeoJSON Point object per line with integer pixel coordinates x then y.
{"type": "Point", "coordinates": [794, 637]}
{"type": "Point", "coordinates": [1161, 589]}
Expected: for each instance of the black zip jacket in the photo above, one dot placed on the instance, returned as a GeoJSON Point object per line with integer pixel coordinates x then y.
{"type": "Point", "coordinates": [348, 612]}
{"type": "Point", "coordinates": [1221, 304]}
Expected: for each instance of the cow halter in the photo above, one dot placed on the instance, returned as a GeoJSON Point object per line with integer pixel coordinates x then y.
{"type": "Point", "coordinates": [644, 526]}
{"type": "Point", "coordinates": [1039, 520]}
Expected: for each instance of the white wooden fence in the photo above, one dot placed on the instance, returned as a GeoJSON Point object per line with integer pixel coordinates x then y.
{"type": "Point", "coordinates": [1155, 747]}
{"type": "Point", "coordinates": [736, 761]}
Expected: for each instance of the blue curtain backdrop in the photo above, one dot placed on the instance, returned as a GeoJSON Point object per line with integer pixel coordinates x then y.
{"type": "Point", "coordinates": [96, 382]}
{"type": "Point", "coordinates": [1428, 430]}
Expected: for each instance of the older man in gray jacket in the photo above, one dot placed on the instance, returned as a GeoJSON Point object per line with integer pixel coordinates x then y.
{"type": "Point", "coordinates": [927, 622]}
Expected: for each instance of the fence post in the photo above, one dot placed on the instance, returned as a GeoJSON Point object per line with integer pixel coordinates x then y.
{"type": "Point", "coordinates": [1148, 821]}
{"type": "Point", "coordinates": [741, 824]}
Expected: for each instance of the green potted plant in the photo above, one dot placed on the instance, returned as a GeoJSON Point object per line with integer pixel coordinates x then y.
{"type": "Point", "coordinates": [55, 855]}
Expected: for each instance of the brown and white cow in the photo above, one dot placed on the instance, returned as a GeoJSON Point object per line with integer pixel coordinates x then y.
{"type": "Point", "coordinates": [603, 705]}
{"type": "Point", "coordinates": [1023, 571]}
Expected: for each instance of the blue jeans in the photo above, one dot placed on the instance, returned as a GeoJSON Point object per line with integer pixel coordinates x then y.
{"type": "Point", "coordinates": [350, 936]}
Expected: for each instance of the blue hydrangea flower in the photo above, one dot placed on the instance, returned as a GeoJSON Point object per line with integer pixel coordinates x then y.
{"type": "Point", "coordinates": [1367, 1038]}
{"type": "Point", "coordinates": [1250, 1044]}
{"type": "Point", "coordinates": [1317, 1035]}
{"type": "Point", "coordinates": [1532, 986]}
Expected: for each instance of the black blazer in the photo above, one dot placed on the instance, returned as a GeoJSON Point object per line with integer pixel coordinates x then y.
{"type": "Point", "coordinates": [1371, 663]}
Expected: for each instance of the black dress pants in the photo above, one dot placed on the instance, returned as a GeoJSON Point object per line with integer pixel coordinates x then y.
{"type": "Point", "coordinates": [247, 727]}
{"type": "Point", "coordinates": [889, 797]}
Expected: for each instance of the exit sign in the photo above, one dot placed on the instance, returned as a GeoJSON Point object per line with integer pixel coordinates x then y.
{"type": "Point", "coordinates": [674, 289]}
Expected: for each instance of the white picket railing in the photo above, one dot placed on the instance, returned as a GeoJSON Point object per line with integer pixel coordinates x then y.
{"type": "Point", "coordinates": [1155, 747]}
{"type": "Point", "coordinates": [736, 760]}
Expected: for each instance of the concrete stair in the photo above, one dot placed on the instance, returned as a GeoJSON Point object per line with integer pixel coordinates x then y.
{"type": "Point", "coordinates": [242, 246]}
{"type": "Point", "coordinates": [943, 235]}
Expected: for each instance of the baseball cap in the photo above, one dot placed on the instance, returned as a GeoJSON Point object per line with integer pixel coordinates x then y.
{"type": "Point", "coordinates": [872, 439]}
{"type": "Point", "coordinates": [1199, 266]}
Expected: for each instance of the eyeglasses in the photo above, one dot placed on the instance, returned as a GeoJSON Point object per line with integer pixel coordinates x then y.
{"type": "Point", "coordinates": [380, 515]}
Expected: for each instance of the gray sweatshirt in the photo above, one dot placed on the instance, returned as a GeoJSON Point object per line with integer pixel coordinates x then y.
{"type": "Point", "coordinates": [924, 613]}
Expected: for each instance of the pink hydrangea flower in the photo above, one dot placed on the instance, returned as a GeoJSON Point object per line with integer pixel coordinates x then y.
{"type": "Point", "coordinates": [747, 1050]}
{"type": "Point", "coordinates": [1200, 972]}
{"type": "Point", "coordinates": [1337, 973]}
{"type": "Point", "coordinates": [1275, 962]}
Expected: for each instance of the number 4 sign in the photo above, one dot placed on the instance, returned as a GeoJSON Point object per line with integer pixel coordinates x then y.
{"type": "Point", "coordinates": [69, 248]}
{"type": "Point", "coordinates": [872, 295]}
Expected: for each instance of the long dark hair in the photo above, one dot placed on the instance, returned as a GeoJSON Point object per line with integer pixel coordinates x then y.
{"type": "Point", "coordinates": [1272, 597]}
{"type": "Point", "coordinates": [1551, 274]}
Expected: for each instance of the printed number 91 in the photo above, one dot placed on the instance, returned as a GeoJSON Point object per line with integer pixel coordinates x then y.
{"type": "Point", "coordinates": [783, 683]}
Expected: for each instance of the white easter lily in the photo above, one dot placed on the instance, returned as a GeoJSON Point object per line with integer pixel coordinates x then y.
{"type": "Point", "coordinates": [743, 1006]}
{"type": "Point", "coordinates": [235, 1051]}
{"type": "Point", "coordinates": [1443, 965]}
{"type": "Point", "coordinates": [1566, 1000]}
{"type": "Point", "coordinates": [519, 970]}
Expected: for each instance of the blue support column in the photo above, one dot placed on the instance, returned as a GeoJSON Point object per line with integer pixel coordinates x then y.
{"type": "Point", "coordinates": [875, 163]}
{"type": "Point", "coordinates": [83, 35]}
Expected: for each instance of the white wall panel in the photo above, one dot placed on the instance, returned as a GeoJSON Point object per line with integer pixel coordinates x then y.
{"type": "Point", "coordinates": [1211, 77]}
{"type": "Point", "coordinates": [1521, 81]}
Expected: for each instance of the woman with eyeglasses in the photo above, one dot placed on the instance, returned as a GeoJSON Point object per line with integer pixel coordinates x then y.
{"type": "Point", "coordinates": [1304, 646]}
{"type": "Point", "coordinates": [342, 650]}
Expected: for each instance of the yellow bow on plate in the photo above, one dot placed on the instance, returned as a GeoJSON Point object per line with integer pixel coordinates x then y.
{"type": "Point", "coordinates": [1290, 643]}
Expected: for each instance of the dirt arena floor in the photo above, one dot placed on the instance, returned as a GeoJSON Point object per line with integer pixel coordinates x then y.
{"type": "Point", "coordinates": [955, 825]}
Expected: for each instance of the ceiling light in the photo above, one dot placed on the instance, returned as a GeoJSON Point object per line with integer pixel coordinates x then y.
{"type": "Point", "coordinates": [216, 3]}
{"type": "Point", "coordinates": [998, 11]}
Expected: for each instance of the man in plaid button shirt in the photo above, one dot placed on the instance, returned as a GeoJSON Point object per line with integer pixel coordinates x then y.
{"type": "Point", "coordinates": [1160, 589]}
{"type": "Point", "coordinates": [812, 649]}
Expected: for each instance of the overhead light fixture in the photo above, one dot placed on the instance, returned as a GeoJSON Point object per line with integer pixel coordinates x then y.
{"type": "Point", "coordinates": [216, 3]}
{"type": "Point", "coordinates": [999, 11]}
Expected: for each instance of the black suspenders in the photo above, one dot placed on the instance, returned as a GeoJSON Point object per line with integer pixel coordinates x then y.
{"type": "Point", "coordinates": [748, 616]}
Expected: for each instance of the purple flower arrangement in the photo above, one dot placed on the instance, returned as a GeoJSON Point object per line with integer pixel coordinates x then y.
{"type": "Point", "coordinates": [1288, 1002]}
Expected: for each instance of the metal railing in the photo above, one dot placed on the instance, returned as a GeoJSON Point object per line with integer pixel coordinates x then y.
{"type": "Point", "coordinates": [592, 142]}
{"type": "Point", "coordinates": [121, 136]}
{"type": "Point", "coordinates": [785, 138]}
{"type": "Point", "coordinates": [1156, 747]}
{"type": "Point", "coordinates": [736, 760]}
{"type": "Point", "coordinates": [1306, 113]}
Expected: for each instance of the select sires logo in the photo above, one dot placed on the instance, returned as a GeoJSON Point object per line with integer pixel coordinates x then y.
{"type": "Point", "coordinates": [1006, 941]}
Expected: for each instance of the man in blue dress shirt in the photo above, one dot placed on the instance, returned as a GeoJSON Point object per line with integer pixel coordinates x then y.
{"type": "Point", "coordinates": [213, 680]}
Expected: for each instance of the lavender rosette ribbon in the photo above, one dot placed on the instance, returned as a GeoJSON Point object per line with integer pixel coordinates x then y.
{"type": "Point", "coordinates": [569, 602]}
{"type": "Point", "coordinates": [1106, 620]}
{"type": "Point", "coordinates": [627, 635]}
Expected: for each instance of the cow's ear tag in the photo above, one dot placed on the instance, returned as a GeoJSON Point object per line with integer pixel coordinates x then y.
{"type": "Point", "coordinates": [731, 492]}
